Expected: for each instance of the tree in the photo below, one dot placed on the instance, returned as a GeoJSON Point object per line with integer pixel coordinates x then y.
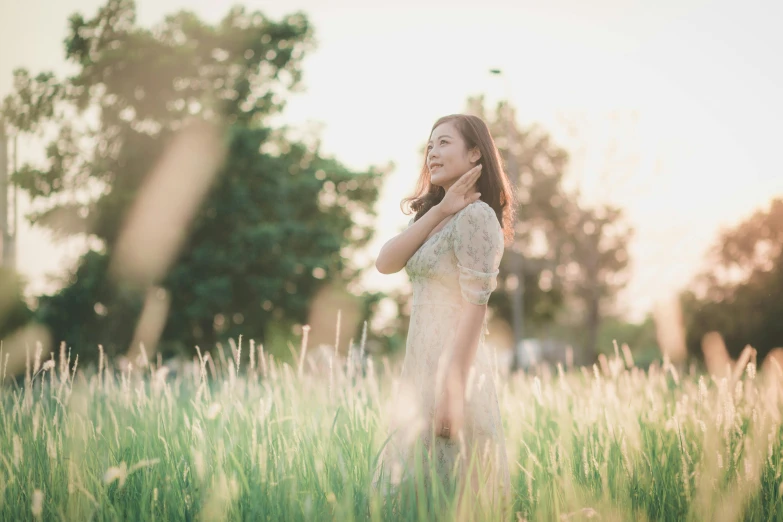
{"type": "Point", "coordinates": [14, 312]}
{"type": "Point", "coordinates": [640, 338]}
{"type": "Point", "coordinates": [538, 167]}
{"type": "Point", "coordinates": [738, 292]}
{"type": "Point", "coordinates": [279, 219]}
{"type": "Point", "coordinates": [573, 257]}
{"type": "Point", "coordinates": [597, 270]}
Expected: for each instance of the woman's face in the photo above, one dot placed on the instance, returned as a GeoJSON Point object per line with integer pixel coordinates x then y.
{"type": "Point", "coordinates": [447, 155]}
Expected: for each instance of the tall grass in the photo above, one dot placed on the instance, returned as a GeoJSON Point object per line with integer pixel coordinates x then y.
{"type": "Point", "coordinates": [241, 436]}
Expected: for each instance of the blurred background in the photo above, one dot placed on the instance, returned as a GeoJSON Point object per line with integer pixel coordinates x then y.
{"type": "Point", "coordinates": [175, 174]}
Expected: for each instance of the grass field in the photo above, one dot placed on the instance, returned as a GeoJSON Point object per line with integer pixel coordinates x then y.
{"type": "Point", "coordinates": [239, 436]}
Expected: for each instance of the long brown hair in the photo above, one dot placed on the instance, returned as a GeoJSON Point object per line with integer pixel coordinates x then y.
{"type": "Point", "coordinates": [493, 183]}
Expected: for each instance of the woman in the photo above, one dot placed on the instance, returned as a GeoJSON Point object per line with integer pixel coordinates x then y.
{"type": "Point", "coordinates": [446, 403]}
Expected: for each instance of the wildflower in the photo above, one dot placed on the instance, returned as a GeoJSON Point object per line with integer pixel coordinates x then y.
{"type": "Point", "coordinates": [142, 463]}
{"type": "Point", "coordinates": [585, 466]}
{"type": "Point", "coordinates": [199, 464]}
{"type": "Point", "coordinates": [213, 410]}
{"type": "Point", "coordinates": [37, 507]}
{"type": "Point", "coordinates": [18, 454]}
{"type": "Point", "coordinates": [116, 473]}
{"type": "Point", "coordinates": [220, 496]}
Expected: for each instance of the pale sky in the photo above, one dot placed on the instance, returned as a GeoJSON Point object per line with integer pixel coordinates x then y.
{"type": "Point", "coordinates": [676, 105]}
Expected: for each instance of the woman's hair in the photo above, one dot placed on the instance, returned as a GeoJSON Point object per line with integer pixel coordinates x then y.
{"type": "Point", "coordinates": [493, 183]}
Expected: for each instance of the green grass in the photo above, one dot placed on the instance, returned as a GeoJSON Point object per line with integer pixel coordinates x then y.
{"type": "Point", "coordinates": [228, 438]}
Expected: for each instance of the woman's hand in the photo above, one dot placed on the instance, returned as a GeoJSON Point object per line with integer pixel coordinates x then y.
{"type": "Point", "coordinates": [450, 408]}
{"type": "Point", "coordinates": [461, 193]}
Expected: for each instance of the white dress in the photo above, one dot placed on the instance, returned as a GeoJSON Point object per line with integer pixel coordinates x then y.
{"type": "Point", "coordinates": [458, 264]}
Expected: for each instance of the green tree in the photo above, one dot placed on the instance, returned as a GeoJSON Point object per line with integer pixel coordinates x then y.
{"type": "Point", "coordinates": [597, 268]}
{"type": "Point", "coordinates": [536, 167]}
{"type": "Point", "coordinates": [640, 338]}
{"type": "Point", "coordinates": [573, 257]}
{"type": "Point", "coordinates": [738, 292]}
{"type": "Point", "coordinates": [14, 312]}
{"type": "Point", "coordinates": [280, 219]}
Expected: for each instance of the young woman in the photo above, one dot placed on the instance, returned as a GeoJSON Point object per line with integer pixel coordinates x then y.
{"type": "Point", "coordinates": [446, 402]}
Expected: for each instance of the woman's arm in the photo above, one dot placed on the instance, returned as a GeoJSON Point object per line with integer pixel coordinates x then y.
{"type": "Point", "coordinates": [471, 320]}
{"type": "Point", "coordinates": [396, 252]}
{"type": "Point", "coordinates": [478, 247]}
{"type": "Point", "coordinates": [450, 409]}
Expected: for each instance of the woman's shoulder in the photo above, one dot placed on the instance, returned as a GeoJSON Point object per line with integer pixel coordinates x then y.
{"type": "Point", "coordinates": [479, 212]}
{"type": "Point", "coordinates": [479, 218]}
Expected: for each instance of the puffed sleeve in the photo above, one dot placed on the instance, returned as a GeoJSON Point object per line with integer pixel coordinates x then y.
{"type": "Point", "coordinates": [478, 246]}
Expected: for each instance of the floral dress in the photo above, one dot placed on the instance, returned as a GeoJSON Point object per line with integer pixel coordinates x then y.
{"type": "Point", "coordinates": [457, 265]}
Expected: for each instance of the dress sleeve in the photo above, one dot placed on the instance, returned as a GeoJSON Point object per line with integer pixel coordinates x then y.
{"type": "Point", "coordinates": [478, 246]}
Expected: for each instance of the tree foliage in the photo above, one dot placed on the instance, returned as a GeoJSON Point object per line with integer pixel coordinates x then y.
{"type": "Point", "coordinates": [738, 292]}
{"type": "Point", "coordinates": [536, 167]}
{"type": "Point", "coordinates": [14, 312]}
{"type": "Point", "coordinates": [596, 270]}
{"type": "Point", "coordinates": [280, 219]}
{"type": "Point", "coordinates": [574, 257]}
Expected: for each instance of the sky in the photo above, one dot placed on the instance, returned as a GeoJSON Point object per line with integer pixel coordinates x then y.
{"type": "Point", "coordinates": [670, 110]}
